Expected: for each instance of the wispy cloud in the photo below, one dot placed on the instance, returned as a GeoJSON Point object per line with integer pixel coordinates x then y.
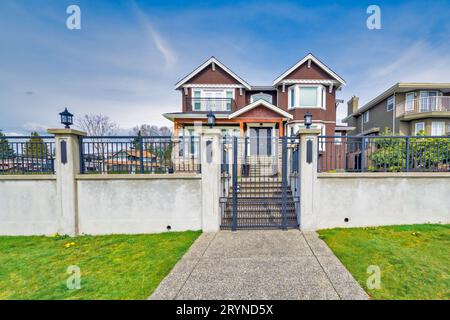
{"type": "Point", "coordinates": [158, 40]}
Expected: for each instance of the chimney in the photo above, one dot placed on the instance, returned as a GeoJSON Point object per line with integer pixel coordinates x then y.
{"type": "Point", "coordinates": [352, 105]}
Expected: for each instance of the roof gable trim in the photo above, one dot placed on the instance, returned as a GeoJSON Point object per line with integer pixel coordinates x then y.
{"type": "Point", "coordinates": [308, 58]}
{"type": "Point", "coordinates": [214, 62]}
{"type": "Point", "coordinates": [260, 102]}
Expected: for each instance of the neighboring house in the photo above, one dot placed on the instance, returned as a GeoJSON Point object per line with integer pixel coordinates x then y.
{"type": "Point", "coordinates": [258, 112]}
{"type": "Point", "coordinates": [405, 109]}
{"type": "Point", "coordinates": [130, 160]}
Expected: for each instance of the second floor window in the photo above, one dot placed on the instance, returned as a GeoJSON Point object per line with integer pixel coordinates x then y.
{"type": "Point", "coordinates": [390, 103]}
{"type": "Point", "coordinates": [307, 96]}
{"type": "Point", "coordinates": [211, 99]}
{"type": "Point", "coordinates": [366, 116]}
{"type": "Point", "coordinates": [263, 96]}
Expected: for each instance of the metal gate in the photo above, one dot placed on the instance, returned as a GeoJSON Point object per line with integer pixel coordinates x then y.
{"type": "Point", "coordinates": [260, 182]}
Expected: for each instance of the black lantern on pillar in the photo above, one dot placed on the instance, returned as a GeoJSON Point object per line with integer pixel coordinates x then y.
{"type": "Point", "coordinates": [211, 119]}
{"type": "Point", "coordinates": [66, 118]}
{"type": "Point", "coordinates": [308, 119]}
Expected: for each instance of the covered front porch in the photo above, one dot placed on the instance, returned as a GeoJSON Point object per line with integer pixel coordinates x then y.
{"type": "Point", "coordinates": [260, 122]}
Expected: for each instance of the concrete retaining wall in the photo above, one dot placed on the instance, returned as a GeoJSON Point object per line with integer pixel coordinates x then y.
{"type": "Point", "coordinates": [28, 205]}
{"type": "Point", "coordinates": [136, 204]}
{"type": "Point", "coordinates": [374, 199]}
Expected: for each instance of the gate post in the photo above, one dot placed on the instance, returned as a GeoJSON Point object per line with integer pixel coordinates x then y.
{"type": "Point", "coordinates": [67, 166]}
{"type": "Point", "coordinates": [308, 175]}
{"type": "Point", "coordinates": [211, 165]}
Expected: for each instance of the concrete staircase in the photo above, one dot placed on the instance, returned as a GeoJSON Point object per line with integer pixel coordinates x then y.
{"type": "Point", "coordinates": [259, 202]}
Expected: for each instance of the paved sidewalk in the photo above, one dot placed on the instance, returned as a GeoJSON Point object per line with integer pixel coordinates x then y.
{"type": "Point", "coordinates": [271, 264]}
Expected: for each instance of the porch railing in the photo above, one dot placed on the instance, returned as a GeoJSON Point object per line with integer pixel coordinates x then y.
{"type": "Point", "coordinates": [27, 155]}
{"type": "Point", "coordinates": [421, 105]}
{"type": "Point", "coordinates": [384, 154]}
{"type": "Point", "coordinates": [139, 154]}
{"type": "Point", "coordinates": [207, 104]}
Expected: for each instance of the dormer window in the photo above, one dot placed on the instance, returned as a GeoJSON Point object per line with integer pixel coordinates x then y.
{"type": "Point", "coordinates": [263, 96]}
{"type": "Point", "coordinates": [307, 96]}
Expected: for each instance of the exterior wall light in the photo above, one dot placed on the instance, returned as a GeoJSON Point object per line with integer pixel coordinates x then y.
{"type": "Point", "coordinates": [308, 119]}
{"type": "Point", "coordinates": [211, 119]}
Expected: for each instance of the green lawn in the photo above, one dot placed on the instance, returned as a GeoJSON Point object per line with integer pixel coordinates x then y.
{"type": "Point", "coordinates": [414, 260]}
{"type": "Point", "coordinates": [112, 267]}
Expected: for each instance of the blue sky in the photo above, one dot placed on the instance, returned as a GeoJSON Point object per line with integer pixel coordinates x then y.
{"type": "Point", "coordinates": [128, 55]}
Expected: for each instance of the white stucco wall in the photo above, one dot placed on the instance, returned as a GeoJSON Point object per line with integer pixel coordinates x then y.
{"type": "Point", "coordinates": [28, 205]}
{"type": "Point", "coordinates": [131, 205]}
{"type": "Point", "coordinates": [381, 199]}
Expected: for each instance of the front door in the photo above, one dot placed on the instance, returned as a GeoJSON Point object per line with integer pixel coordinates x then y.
{"type": "Point", "coordinates": [261, 141]}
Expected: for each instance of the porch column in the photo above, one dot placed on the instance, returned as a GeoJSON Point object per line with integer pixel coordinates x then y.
{"type": "Point", "coordinates": [210, 160]}
{"type": "Point", "coordinates": [175, 128]}
{"type": "Point", "coordinates": [241, 128]}
{"type": "Point", "coordinates": [308, 177]}
{"type": "Point", "coordinates": [67, 166]}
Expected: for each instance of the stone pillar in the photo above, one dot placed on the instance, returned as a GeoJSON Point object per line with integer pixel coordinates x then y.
{"type": "Point", "coordinates": [67, 166]}
{"type": "Point", "coordinates": [308, 177]}
{"type": "Point", "coordinates": [210, 160]}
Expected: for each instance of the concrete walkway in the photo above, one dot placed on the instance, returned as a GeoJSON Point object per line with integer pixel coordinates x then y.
{"type": "Point", "coordinates": [259, 265]}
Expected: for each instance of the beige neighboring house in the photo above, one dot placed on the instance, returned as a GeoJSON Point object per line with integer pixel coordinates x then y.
{"type": "Point", "coordinates": [405, 109]}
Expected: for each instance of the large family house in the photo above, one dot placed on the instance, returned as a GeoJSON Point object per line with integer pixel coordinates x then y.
{"type": "Point", "coordinates": [258, 112]}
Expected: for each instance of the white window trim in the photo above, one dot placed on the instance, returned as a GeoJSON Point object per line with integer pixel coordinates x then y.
{"type": "Point", "coordinates": [408, 94]}
{"type": "Point", "coordinates": [368, 116]}
{"type": "Point", "coordinates": [321, 97]}
{"type": "Point", "coordinates": [393, 103]}
{"type": "Point", "coordinates": [212, 89]}
{"type": "Point", "coordinates": [433, 133]}
{"type": "Point", "coordinates": [415, 127]}
{"type": "Point", "coordinates": [261, 94]}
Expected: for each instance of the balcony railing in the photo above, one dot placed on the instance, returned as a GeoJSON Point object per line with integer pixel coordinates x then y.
{"type": "Point", "coordinates": [421, 105]}
{"type": "Point", "coordinates": [207, 104]}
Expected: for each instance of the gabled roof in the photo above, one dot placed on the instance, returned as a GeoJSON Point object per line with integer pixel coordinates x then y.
{"type": "Point", "coordinates": [257, 103]}
{"type": "Point", "coordinates": [204, 65]}
{"type": "Point", "coordinates": [311, 57]}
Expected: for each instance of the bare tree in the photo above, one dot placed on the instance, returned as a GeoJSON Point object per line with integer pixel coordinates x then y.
{"type": "Point", "coordinates": [97, 125]}
{"type": "Point", "coordinates": [151, 130]}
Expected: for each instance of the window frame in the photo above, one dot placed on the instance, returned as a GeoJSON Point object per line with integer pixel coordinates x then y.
{"type": "Point", "coordinates": [388, 103]}
{"type": "Point", "coordinates": [409, 94]}
{"type": "Point", "coordinates": [320, 96]}
{"type": "Point", "coordinates": [433, 133]}
{"type": "Point", "coordinates": [225, 106]}
{"type": "Point", "coordinates": [415, 127]}
{"type": "Point", "coordinates": [261, 94]}
{"type": "Point", "coordinates": [364, 116]}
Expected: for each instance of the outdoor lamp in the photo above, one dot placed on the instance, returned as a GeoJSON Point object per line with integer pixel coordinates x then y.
{"type": "Point", "coordinates": [211, 119]}
{"type": "Point", "coordinates": [66, 118]}
{"type": "Point", "coordinates": [308, 119]}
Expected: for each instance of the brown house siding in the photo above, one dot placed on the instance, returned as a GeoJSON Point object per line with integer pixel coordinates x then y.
{"type": "Point", "coordinates": [208, 76]}
{"type": "Point", "coordinates": [303, 72]}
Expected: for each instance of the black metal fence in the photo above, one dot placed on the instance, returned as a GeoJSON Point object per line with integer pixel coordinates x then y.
{"type": "Point", "coordinates": [27, 155]}
{"type": "Point", "coordinates": [139, 154]}
{"type": "Point", "coordinates": [384, 154]}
